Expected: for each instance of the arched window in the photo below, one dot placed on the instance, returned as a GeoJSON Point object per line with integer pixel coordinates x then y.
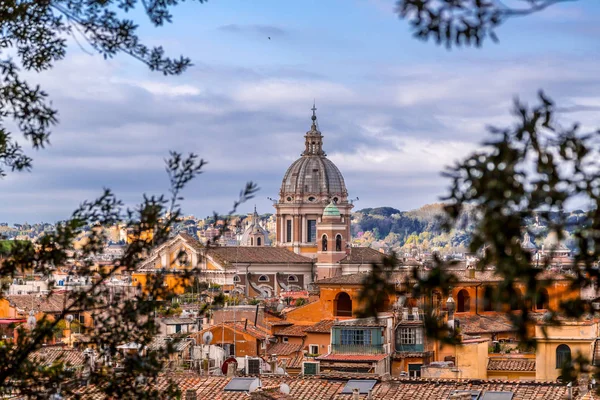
{"type": "Point", "coordinates": [263, 278]}
{"type": "Point", "coordinates": [324, 243]}
{"type": "Point", "coordinates": [489, 299]}
{"type": "Point", "coordinates": [563, 355]}
{"type": "Point", "coordinates": [343, 305]}
{"type": "Point", "coordinates": [516, 300]}
{"type": "Point", "coordinates": [542, 301]}
{"type": "Point", "coordinates": [338, 243]}
{"type": "Point", "coordinates": [464, 301]}
{"type": "Point", "coordinates": [251, 241]}
{"type": "Point", "coordinates": [292, 278]}
{"type": "Point", "coordinates": [258, 241]}
{"type": "Point", "coordinates": [236, 279]}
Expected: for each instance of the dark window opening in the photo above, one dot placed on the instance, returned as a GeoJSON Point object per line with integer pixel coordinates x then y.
{"type": "Point", "coordinates": [542, 300]}
{"type": "Point", "coordinates": [311, 231]}
{"type": "Point", "coordinates": [343, 305]}
{"type": "Point", "coordinates": [464, 301]}
{"type": "Point", "coordinates": [324, 243]}
{"type": "Point", "coordinates": [563, 355]}
{"type": "Point", "coordinates": [289, 230]}
{"type": "Point", "coordinates": [338, 243]}
{"type": "Point", "coordinates": [258, 241]}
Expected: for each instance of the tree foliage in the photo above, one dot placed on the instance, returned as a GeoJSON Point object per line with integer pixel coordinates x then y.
{"type": "Point", "coordinates": [118, 318]}
{"type": "Point", "coordinates": [456, 23]}
{"type": "Point", "coordinates": [34, 37]}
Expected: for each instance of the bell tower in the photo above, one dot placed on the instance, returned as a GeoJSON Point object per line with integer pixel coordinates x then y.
{"type": "Point", "coordinates": [332, 242]}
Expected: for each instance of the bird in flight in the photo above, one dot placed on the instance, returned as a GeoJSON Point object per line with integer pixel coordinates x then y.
{"type": "Point", "coordinates": [269, 37]}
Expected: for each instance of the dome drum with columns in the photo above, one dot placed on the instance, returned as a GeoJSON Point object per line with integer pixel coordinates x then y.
{"type": "Point", "coordinates": [311, 186]}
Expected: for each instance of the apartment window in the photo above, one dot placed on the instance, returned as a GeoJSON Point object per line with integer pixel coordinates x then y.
{"type": "Point", "coordinates": [410, 336]}
{"type": "Point", "coordinates": [563, 355]}
{"type": "Point", "coordinates": [360, 337]}
{"type": "Point", "coordinates": [288, 230]}
{"type": "Point", "coordinates": [313, 349]}
{"type": "Point", "coordinates": [311, 230]}
{"type": "Point", "coordinates": [414, 370]}
{"type": "Point", "coordinates": [285, 339]}
{"type": "Point", "coordinates": [178, 328]}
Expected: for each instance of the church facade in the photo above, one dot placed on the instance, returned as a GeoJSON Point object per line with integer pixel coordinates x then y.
{"type": "Point", "coordinates": [312, 238]}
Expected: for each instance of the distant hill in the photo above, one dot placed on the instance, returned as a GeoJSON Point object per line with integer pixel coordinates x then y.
{"type": "Point", "coordinates": [421, 228]}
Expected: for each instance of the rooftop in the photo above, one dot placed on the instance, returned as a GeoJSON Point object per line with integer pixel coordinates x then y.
{"type": "Point", "coordinates": [315, 388]}
{"type": "Point", "coordinates": [262, 255]}
{"type": "Point", "coordinates": [294, 330]}
{"type": "Point", "coordinates": [323, 326]}
{"type": "Point", "coordinates": [511, 364]}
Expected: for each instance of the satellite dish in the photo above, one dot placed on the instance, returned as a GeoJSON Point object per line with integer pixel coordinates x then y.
{"type": "Point", "coordinates": [254, 386]}
{"type": "Point", "coordinates": [69, 318]}
{"type": "Point", "coordinates": [280, 371]}
{"type": "Point", "coordinates": [284, 388]}
{"type": "Point", "coordinates": [207, 337]}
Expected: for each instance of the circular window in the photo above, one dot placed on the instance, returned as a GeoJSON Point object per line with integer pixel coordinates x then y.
{"type": "Point", "coordinates": [311, 198]}
{"type": "Point", "coordinates": [289, 198]}
{"type": "Point", "coordinates": [335, 199]}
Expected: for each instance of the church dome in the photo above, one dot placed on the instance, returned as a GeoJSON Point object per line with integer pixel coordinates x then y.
{"type": "Point", "coordinates": [313, 177]}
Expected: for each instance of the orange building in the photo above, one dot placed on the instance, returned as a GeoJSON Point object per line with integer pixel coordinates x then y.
{"type": "Point", "coordinates": [239, 339]}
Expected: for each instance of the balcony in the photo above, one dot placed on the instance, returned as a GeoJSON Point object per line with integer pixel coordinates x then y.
{"type": "Point", "coordinates": [358, 349]}
{"type": "Point", "coordinates": [413, 348]}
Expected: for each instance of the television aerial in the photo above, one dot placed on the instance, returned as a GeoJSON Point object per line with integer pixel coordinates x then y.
{"type": "Point", "coordinates": [207, 337]}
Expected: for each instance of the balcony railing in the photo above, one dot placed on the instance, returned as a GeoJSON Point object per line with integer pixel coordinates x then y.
{"type": "Point", "coordinates": [357, 349]}
{"type": "Point", "coordinates": [410, 347]}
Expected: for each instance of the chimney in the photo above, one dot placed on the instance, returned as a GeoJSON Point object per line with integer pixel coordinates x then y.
{"type": "Point", "coordinates": [231, 369]}
{"type": "Point", "coordinates": [355, 394]}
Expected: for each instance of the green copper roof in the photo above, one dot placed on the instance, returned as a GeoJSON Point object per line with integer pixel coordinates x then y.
{"type": "Point", "coordinates": [331, 211]}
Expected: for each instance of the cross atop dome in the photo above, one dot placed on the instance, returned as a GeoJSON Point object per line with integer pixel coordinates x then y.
{"type": "Point", "coordinates": [313, 138]}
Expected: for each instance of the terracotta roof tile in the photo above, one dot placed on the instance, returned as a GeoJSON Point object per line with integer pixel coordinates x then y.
{"type": "Point", "coordinates": [53, 303]}
{"type": "Point", "coordinates": [284, 349]}
{"type": "Point", "coordinates": [192, 241]}
{"type": "Point", "coordinates": [49, 355]}
{"type": "Point", "coordinates": [315, 388]}
{"type": "Point", "coordinates": [362, 255]}
{"type": "Point", "coordinates": [473, 324]}
{"type": "Point", "coordinates": [323, 326]}
{"type": "Point", "coordinates": [294, 330]}
{"type": "Point", "coordinates": [352, 279]}
{"type": "Point", "coordinates": [264, 255]}
{"type": "Point", "coordinates": [511, 364]}
{"type": "Point", "coordinates": [353, 357]}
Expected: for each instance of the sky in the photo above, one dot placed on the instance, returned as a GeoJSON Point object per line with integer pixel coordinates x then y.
{"type": "Point", "coordinates": [394, 111]}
